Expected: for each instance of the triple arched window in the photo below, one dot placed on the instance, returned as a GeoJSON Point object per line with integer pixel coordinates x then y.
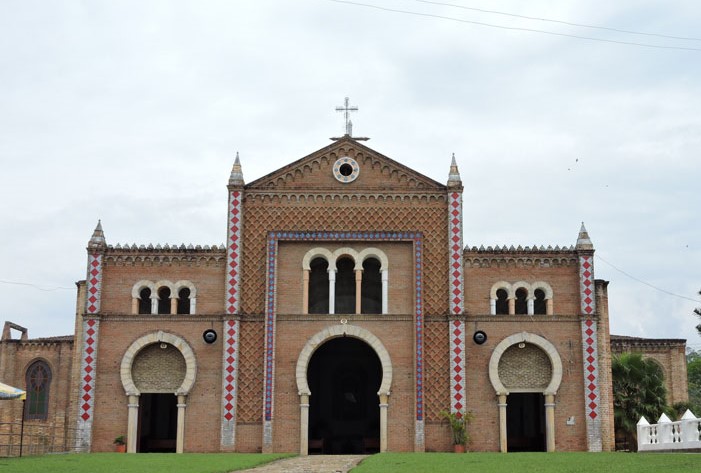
{"type": "Point", "coordinates": [345, 281]}
{"type": "Point", "coordinates": [521, 298]}
{"type": "Point", "coordinates": [164, 297]}
{"type": "Point", "coordinates": [38, 382]}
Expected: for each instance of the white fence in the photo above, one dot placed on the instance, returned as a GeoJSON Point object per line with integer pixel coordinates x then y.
{"type": "Point", "coordinates": [667, 435]}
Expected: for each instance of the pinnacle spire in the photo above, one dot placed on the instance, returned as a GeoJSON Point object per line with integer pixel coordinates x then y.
{"type": "Point", "coordinates": [98, 237]}
{"type": "Point", "coordinates": [454, 175]}
{"type": "Point", "coordinates": [236, 177]}
{"type": "Point", "coordinates": [583, 241]}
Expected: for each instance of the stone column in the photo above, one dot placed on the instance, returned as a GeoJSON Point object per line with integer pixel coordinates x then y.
{"type": "Point", "coordinates": [134, 305]}
{"type": "Point", "coordinates": [332, 291]}
{"type": "Point", "coordinates": [180, 439]}
{"type": "Point", "coordinates": [173, 304]}
{"type": "Point", "coordinates": [550, 422]}
{"type": "Point", "coordinates": [502, 423]}
{"type": "Point", "coordinates": [358, 290]}
{"type": "Point", "coordinates": [304, 424]}
{"type": "Point", "coordinates": [383, 421]}
{"type": "Point", "coordinates": [305, 291]}
{"type": "Point", "coordinates": [154, 303]}
{"type": "Point", "coordinates": [512, 306]}
{"type": "Point", "coordinates": [385, 290]}
{"type": "Point", "coordinates": [493, 306]}
{"type": "Point", "coordinates": [132, 422]}
{"type": "Point", "coordinates": [530, 304]}
{"type": "Point", "coordinates": [549, 306]}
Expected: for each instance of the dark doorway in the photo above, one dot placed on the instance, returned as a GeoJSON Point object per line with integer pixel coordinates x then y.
{"type": "Point", "coordinates": [344, 375]}
{"type": "Point", "coordinates": [158, 422]}
{"type": "Point", "coordinates": [525, 422]}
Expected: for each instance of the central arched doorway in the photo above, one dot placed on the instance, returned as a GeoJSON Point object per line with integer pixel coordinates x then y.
{"type": "Point", "coordinates": [344, 376]}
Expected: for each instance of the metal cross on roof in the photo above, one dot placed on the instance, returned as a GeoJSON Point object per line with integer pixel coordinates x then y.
{"type": "Point", "coordinates": [346, 109]}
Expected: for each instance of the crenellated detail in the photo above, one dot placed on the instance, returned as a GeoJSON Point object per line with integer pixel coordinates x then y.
{"type": "Point", "coordinates": [518, 261]}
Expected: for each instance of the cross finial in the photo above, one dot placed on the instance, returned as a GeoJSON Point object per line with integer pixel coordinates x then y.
{"type": "Point", "coordinates": [346, 109]}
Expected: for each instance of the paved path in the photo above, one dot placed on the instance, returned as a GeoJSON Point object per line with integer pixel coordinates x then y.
{"type": "Point", "coordinates": [310, 464]}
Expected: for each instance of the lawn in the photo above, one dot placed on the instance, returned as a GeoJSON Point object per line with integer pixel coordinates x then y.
{"type": "Point", "coordinates": [148, 462]}
{"type": "Point", "coordinates": [530, 462]}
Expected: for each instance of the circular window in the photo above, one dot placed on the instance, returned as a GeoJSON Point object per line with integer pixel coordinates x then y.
{"type": "Point", "coordinates": [346, 169]}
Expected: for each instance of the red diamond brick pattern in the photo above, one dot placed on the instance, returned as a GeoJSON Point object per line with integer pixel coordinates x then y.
{"type": "Point", "coordinates": [231, 337]}
{"type": "Point", "coordinates": [234, 253]}
{"type": "Point", "coordinates": [90, 328]}
{"type": "Point", "coordinates": [591, 372]}
{"type": "Point", "coordinates": [457, 365]}
{"type": "Point", "coordinates": [94, 280]}
{"type": "Point", "coordinates": [455, 247]}
{"type": "Point", "coordinates": [586, 278]}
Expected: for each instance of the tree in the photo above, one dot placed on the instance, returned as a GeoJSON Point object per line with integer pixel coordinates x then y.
{"type": "Point", "coordinates": [693, 371]}
{"type": "Point", "coordinates": [638, 390]}
{"type": "Point", "coordinates": [697, 311]}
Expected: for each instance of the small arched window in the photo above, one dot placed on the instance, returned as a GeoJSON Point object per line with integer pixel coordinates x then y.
{"type": "Point", "coordinates": [38, 379]}
{"type": "Point", "coordinates": [184, 301]}
{"type": "Point", "coordinates": [164, 300]}
{"type": "Point", "coordinates": [502, 302]}
{"type": "Point", "coordinates": [371, 287]}
{"type": "Point", "coordinates": [539, 304]}
{"type": "Point", "coordinates": [345, 286]}
{"type": "Point", "coordinates": [319, 286]}
{"type": "Point", "coordinates": [521, 303]}
{"type": "Point", "coordinates": [145, 301]}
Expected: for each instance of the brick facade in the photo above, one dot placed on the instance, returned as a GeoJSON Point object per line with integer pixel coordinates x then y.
{"type": "Point", "coordinates": [242, 391]}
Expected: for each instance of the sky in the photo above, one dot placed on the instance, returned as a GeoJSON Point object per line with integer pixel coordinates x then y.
{"type": "Point", "coordinates": [132, 112]}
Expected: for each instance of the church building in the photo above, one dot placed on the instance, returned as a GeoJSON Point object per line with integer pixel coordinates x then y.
{"type": "Point", "coordinates": [343, 314]}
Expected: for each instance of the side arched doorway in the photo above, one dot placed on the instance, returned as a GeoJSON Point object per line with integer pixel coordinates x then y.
{"type": "Point", "coordinates": [344, 375]}
{"type": "Point", "coordinates": [526, 370]}
{"type": "Point", "coordinates": [158, 371]}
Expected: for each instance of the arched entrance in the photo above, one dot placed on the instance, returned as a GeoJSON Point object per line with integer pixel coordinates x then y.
{"type": "Point", "coordinates": [525, 370]}
{"type": "Point", "coordinates": [158, 371]}
{"type": "Point", "coordinates": [346, 373]}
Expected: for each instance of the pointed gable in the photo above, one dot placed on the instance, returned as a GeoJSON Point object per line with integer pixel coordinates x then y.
{"type": "Point", "coordinates": [329, 169]}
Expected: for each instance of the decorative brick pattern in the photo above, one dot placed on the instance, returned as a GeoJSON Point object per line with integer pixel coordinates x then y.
{"type": "Point", "coordinates": [270, 303]}
{"type": "Point", "coordinates": [437, 389]}
{"type": "Point", "coordinates": [250, 367]}
{"type": "Point", "coordinates": [586, 284]}
{"type": "Point", "coordinates": [264, 213]}
{"type": "Point", "coordinates": [88, 364]}
{"type": "Point", "coordinates": [94, 283]}
{"type": "Point", "coordinates": [525, 368]}
{"type": "Point", "coordinates": [457, 298]}
{"type": "Point", "coordinates": [458, 401]}
{"type": "Point", "coordinates": [229, 382]}
{"type": "Point", "coordinates": [157, 369]}
{"type": "Point", "coordinates": [591, 384]}
{"type": "Point", "coordinates": [233, 280]}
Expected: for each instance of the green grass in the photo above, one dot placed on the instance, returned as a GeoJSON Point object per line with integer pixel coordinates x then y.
{"type": "Point", "coordinates": [143, 463]}
{"type": "Point", "coordinates": [531, 462]}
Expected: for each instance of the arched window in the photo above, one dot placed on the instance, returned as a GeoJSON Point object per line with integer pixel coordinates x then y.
{"type": "Point", "coordinates": [319, 286]}
{"type": "Point", "coordinates": [521, 303]}
{"type": "Point", "coordinates": [184, 301]}
{"type": "Point", "coordinates": [502, 302]}
{"type": "Point", "coordinates": [145, 301]}
{"type": "Point", "coordinates": [38, 379]}
{"type": "Point", "coordinates": [539, 304]}
{"type": "Point", "coordinates": [371, 287]}
{"type": "Point", "coordinates": [345, 286]}
{"type": "Point", "coordinates": [164, 300]}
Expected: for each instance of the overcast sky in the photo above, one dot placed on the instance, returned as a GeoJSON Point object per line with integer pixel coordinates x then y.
{"type": "Point", "coordinates": [132, 112]}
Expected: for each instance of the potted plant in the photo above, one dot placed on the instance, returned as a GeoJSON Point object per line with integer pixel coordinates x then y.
{"type": "Point", "coordinates": [458, 426]}
{"type": "Point", "coordinates": [120, 444]}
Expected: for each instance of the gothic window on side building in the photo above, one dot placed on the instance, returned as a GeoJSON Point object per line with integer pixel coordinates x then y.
{"type": "Point", "coordinates": [38, 380]}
